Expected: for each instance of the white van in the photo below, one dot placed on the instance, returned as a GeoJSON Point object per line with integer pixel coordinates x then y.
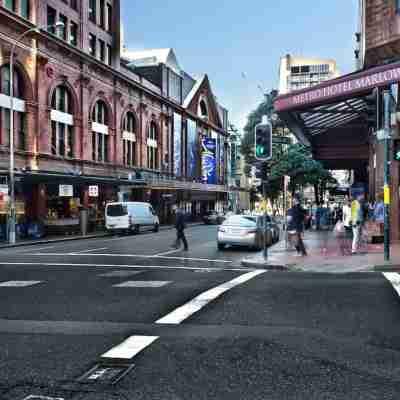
{"type": "Point", "coordinates": [130, 217]}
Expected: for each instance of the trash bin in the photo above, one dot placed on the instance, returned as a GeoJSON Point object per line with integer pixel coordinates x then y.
{"type": "Point", "coordinates": [84, 220]}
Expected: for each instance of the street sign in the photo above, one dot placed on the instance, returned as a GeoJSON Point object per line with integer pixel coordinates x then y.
{"type": "Point", "coordinates": [257, 182]}
{"type": "Point", "coordinates": [93, 191]}
{"type": "Point", "coordinates": [281, 140]}
{"type": "Point", "coordinates": [66, 191]}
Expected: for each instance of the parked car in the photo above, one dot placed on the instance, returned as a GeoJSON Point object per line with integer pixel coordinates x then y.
{"type": "Point", "coordinates": [243, 230]}
{"type": "Point", "coordinates": [130, 217]}
{"type": "Point", "coordinates": [275, 229]}
{"type": "Point", "coordinates": [213, 218]}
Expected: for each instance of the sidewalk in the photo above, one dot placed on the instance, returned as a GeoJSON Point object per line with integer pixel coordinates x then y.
{"type": "Point", "coordinates": [324, 256]}
{"type": "Point", "coordinates": [58, 239]}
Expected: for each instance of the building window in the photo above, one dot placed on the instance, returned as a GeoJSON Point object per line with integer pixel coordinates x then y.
{"type": "Point", "coordinates": [203, 111]}
{"type": "Point", "coordinates": [11, 5]}
{"type": "Point", "coordinates": [152, 147]}
{"type": "Point", "coordinates": [51, 20]}
{"type": "Point", "coordinates": [92, 45]}
{"type": "Point", "coordinates": [175, 87]}
{"type": "Point", "coordinates": [109, 55]}
{"type": "Point", "coordinates": [19, 116]}
{"type": "Point", "coordinates": [100, 132]}
{"type": "Point", "coordinates": [109, 17]}
{"type": "Point", "coordinates": [73, 33]}
{"type": "Point", "coordinates": [129, 140]}
{"type": "Point", "coordinates": [398, 6]}
{"type": "Point", "coordinates": [25, 11]}
{"type": "Point", "coordinates": [63, 30]}
{"type": "Point", "coordinates": [74, 4]}
{"type": "Point", "coordinates": [92, 10]}
{"type": "Point", "coordinates": [102, 50]}
{"type": "Point", "coordinates": [62, 127]}
{"type": "Point", "coordinates": [102, 14]}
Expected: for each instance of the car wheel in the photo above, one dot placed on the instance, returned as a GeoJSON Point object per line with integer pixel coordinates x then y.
{"type": "Point", "coordinates": [221, 246]}
{"type": "Point", "coordinates": [137, 229]}
{"type": "Point", "coordinates": [156, 227]}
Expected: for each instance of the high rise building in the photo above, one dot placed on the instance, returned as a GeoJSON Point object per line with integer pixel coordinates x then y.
{"type": "Point", "coordinates": [297, 73]}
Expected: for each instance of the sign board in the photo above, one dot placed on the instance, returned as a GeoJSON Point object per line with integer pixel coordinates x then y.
{"type": "Point", "coordinates": [281, 140]}
{"type": "Point", "coordinates": [383, 134]}
{"type": "Point", "coordinates": [66, 191]}
{"type": "Point", "coordinates": [93, 191]}
{"type": "Point", "coordinates": [257, 182]}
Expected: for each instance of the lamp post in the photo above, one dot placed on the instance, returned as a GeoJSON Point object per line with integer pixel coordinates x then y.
{"type": "Point", "coordinates": [12, 219]}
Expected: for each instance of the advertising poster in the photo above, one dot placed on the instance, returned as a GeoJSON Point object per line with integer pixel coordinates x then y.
{"type": "Point", "coordinates": [191, 148]}
{"type": "Point", "coordinates": [177, 144]}
{"type": "Point", "coordinates": [221, 157]}
{"type": "Point", "coordinates": [209, 160]}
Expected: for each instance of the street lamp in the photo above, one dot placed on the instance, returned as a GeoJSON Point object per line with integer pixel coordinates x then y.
{"type": "Point", "coordinates": [12, 220]}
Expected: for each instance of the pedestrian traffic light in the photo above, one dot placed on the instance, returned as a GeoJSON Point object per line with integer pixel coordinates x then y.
{"type": "Point", "coordinates": [263, 141]}
{"type": "Point", "coordinates": [396, 150]}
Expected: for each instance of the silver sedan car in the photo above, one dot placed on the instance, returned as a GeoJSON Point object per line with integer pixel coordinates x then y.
{"type": "Point", "coordinates": [242, 230]}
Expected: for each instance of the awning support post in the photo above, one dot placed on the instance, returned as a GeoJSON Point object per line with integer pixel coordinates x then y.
{"type": "Point", "coordinates": [386, 178]}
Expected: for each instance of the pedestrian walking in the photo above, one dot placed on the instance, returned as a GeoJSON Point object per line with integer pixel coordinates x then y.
{"type": "Point", "coordinates": [339, 232]}
{"type": "Point", "coordinates": [357, 219]}
{"type": "Point", "coordinates": [180, 226]}
{"type": "Point", "coordinates": [346, 213]}
{"type": "Point", "coordinates": [296, 216]}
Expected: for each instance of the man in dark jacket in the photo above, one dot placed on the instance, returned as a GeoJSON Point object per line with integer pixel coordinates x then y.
{"type": "Point", "coordinates": [295, 226]}
{"type": "Point", "coordinates": [180, 229]}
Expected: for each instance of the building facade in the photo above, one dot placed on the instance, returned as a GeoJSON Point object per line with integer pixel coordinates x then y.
{"type": "Point", "coordinates": [90, 128]}
{"type": "Point", "coordinates": [297, 73]}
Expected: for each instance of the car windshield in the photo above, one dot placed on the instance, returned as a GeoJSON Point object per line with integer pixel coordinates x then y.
{"type": "Point", "coordinates": [117, 210]}
{"type": "Point", "coordinates": [243, 221]}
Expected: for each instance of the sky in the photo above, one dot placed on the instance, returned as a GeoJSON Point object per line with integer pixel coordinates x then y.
{"type": "Point", "coordinates": [238, 44]}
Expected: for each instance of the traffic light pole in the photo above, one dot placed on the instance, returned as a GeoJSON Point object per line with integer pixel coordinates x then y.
{"type": "Point", "coordinates": [386, 172]}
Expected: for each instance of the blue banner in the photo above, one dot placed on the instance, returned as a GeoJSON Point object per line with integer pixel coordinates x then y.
{"type": "Point", "coordinates": [177, 144]}
{"type": "Point", "coordinates": [191, 148]}
{"type": "Point", "coordinates": [222, 157]}
{"type": "Point", "coordinates": [209, 160]}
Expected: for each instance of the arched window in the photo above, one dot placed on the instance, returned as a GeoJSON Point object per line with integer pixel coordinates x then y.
{"type": "Point", "coordinates": [19, 107]}
{"type": "Point", "coordinates": [62, 123]}
{"type": "Point", "coordinates": [129, 139]}
{"type": "Point", "coordinates": [100, 120]}
{"type": "Point", "coordinates": [203, 110]}
{"type": "Point", "coordinates": [152, 146]}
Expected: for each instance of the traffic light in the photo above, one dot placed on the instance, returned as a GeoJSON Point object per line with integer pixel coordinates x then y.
{"type": "Point", "coordinates": [396, 150]}
{"type": "Point", "coordinates": [263, 141]}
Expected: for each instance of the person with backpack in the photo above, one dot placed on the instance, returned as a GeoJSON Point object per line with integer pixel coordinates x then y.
{"type": "Point", "coordinates": [295, 225]}
{"type": "Point", "coordinates": [180, 226]}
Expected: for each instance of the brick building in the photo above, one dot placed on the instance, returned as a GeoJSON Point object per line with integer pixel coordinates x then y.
{"type": "Point", "coordinates": [90, 127]}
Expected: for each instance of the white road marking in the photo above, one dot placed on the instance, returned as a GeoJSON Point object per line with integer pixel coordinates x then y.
{"type": "Point", "coordinates": [143, 284]}
{"type": "Point", "coordinates": [133, 256]}
{"type": "Point", "coordinates": [167, 252]}
{"type": "Point", "coordinates": [89, 250]}
{"type": "Point", "coordinates": [135, 344]}
{"type": "Point", "coordinates": [120, 274]}
{"type": "Point", "coordinates": [190, 308]}
{"type": "Point", "coordinates": [36, 249]}
{"type": "Point", "coordinates": [394, 279]}
{"type": "Point", "coordinates": [130, 347]}
{"type": "Point", "coordinates": [57, 264]}
{"type": "Point", "coordinates": [19, 283]}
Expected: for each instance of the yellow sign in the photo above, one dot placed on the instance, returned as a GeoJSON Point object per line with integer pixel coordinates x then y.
{"type": "Point", "coordinates": [386, 194]}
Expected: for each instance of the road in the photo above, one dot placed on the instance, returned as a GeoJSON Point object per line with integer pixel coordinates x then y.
{"type": "Point", "coordinates": [129, 318]}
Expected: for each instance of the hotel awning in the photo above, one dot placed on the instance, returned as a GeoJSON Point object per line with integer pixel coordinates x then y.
{"type": "Point", "coordinates": [335, 117]}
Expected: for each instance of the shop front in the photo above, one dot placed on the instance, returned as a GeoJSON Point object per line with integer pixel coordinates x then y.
{"type": "Point", "coordinates": [340, 120]}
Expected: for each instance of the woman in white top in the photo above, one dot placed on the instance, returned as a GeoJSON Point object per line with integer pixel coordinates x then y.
{"type": "Point", "coordinates": [347, 221]}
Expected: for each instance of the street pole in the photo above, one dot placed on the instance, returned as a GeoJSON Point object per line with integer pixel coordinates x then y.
{"type": "Point", "coordinates": [386, 172]}
{"type": "Point", "coordinates": [12, 219]}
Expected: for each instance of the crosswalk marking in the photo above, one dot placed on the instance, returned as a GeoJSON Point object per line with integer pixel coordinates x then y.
{"type": "Point", "coordinates": [394, 279]}
{"type": "Point", "coordinates": [120, 274]}
{"type": "Point", "coordinates": [143, 284]}
{"type": "Point", "coordinates": [19, 283]}
{"type": "Point", "coordinates": [130, 347]}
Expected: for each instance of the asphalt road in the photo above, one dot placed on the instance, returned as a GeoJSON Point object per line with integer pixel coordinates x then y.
{"type": "Point", "coordinates": [176, 325]}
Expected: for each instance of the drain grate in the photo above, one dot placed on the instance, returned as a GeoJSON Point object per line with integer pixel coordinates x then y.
{"type": "Point", "coordinates": [105, 374]}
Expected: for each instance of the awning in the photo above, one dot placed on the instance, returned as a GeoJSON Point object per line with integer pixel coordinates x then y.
{"type": "Point", "coordinates": [337, 116]}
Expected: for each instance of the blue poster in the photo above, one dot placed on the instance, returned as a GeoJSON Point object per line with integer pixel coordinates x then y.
{"type": "Point", "coordinates": [191, 148]}
{"type": "Point", "coordinates": [222, 158]}
{"type": "Point", "coordinates": [177, 144]}
{"type": "Point", "coordinates": [209, 160]}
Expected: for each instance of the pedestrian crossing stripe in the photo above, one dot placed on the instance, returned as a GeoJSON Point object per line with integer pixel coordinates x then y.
{"type": "Point", "coordinates": [143, 284]}
{"type": "Point", "coordinates": [19, 283]}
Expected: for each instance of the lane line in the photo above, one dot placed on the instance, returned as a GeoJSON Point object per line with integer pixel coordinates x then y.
{"type": "Point", "coordinates": [130, 347]}
{"type": "Point", "coordinates": [142, 284]}
{"type": "Point", "coordinates": [132, 256]}
{"type": "Point", "coordinates": [28, 250]}
{"type": "Point", "coordinates": [55, 264]}
{"type": "Point", "coordinates": [133, 345]}
{"type": "Point", "coordinates": [200, 301]}
{"type": "Point", "coordinates": [166, 253]}
{"type": "Point", "coordinates": [89, 250]}
{"type": "Point", "coordinates": [394, 279]}
{"type": "Point", "coordinates": [19, 283]}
